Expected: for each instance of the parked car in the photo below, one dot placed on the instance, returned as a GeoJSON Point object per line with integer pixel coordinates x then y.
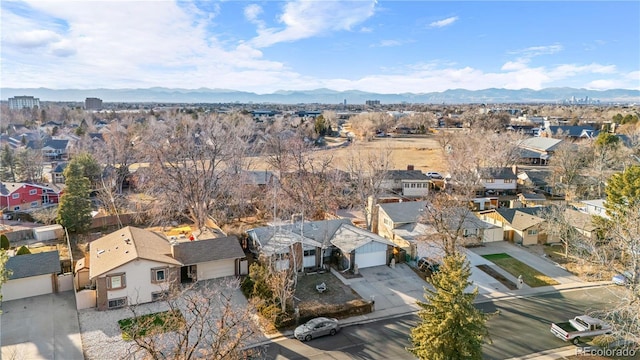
{"type": "Point", "coordinates": [428, 265]}
{"type": "Point", "coordinates": [317, 327]}
{"type": "Point", "coordinates": [622, 279]}
{"type": "Point", "coordinates": [435, 175]}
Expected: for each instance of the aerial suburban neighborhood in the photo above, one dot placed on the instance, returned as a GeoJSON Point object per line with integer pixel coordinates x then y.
{"type": "Point", "coordinates": [162, 218]}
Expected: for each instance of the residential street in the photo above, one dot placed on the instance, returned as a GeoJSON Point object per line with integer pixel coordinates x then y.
{"type": "Point", "coordinates": [521, 328]}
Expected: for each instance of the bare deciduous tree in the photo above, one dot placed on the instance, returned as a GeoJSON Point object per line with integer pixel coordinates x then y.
{"type": "Point", "coordinates": [367, 169]}
{"type": "Point", "coordinates": [192, 163]}
{"type": "Point", "coordinates": [210, 320]}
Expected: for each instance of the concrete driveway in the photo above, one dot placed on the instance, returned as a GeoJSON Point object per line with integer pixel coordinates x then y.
{"type": "Point", "coordinates": [390, 288]}
{"type": "Point", "coordinates": [41, 327]}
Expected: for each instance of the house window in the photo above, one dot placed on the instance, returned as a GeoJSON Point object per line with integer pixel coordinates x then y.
{"type": "Point", "coordinates": [470, 232]}
{"type": "Point", "coordinates": [159, 295]}
{"type": "Point", "coordinates": [508, 181]}
{"type": "Point", "coordinates": [33, 192]}
{"type": "Point", "coordinates": [490, 181]}
{"type": "Point", "coordinates": [16, 208]}
{"type": "Point", "coordinates": [406, 186]}
{"type": "Point", "coordinates": [413, 186]}
{"type": "Point", "coordinates": [117, 303]}
{"type": "Point", "coordinates": [159, 275]}
{"type": "Point", "coordinates": [15, 196]}
{"type": "Point", "coordinates": [117, 281]}
{"type": "Point", "coordinates": [311, 252]}
{"type": "Point", "coordinates": [532, 232]}
{"type": "Point", "coordinates": [34, 204]}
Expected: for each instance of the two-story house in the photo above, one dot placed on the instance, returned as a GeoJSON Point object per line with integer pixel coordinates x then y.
{"type": "Point", "coordinates": [524, 226]}
{"type": "Point", "coordinates": [52, 149]}
{"type": "Point", "coordinates": [134, 266]}
{"type": "Point", "coordinates": [499, 181]}
{"type": "Point", "coordinates": [408, 183]}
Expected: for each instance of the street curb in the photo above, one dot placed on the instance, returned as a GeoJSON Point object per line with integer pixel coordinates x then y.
{"type": "Point", "coordinates": [559, 288]}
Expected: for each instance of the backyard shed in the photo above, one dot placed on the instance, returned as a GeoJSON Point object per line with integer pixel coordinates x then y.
{"type": "Point", "coordinates": [50, 232]}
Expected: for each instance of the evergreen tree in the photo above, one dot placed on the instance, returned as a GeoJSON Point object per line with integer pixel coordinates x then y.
{"type": "Point", "coordinates": [451, 326]}
{"type": "Point", "coordinates": [4, 242]}
{"type": "Point", "coordinates": [74, 211]}
{"type": "Point", "coordinates": [4, 272]}
{"type": "Point", "coordinates": [7, 164]}
{"type": "Point", "coordinates": [23, 250]}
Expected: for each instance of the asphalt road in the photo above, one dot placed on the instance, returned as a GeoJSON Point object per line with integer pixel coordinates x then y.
{"type": "Point", "coordinates": [520, 328]}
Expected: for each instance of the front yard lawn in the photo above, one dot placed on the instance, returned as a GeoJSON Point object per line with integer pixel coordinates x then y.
{"type": "Point", "coordinates": [531, 276]}
{"type": "Point", "coordinates": [151, 324]}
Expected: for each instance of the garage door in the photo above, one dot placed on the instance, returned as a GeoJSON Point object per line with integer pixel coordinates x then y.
{"type": "Point", "coordinates": [370, 259]}
{"type": "Point", "coordinates": [216, 269]}
{"type": "Point", "coordinates": [27, 287]}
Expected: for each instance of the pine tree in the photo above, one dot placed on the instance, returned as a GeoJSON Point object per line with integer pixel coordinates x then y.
{"type": "Point", "coordinates": [451, 326]}
{"type": "Point", "coordinates": [74, 211]}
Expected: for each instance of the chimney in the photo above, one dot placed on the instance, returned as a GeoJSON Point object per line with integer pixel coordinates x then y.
{"type": "Point", "coordinates": [514, 168]}
{"type": "Point", "coordinates": [410, 167]}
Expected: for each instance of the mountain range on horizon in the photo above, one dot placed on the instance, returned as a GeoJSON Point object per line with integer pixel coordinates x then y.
{"type": "Point", "coordinates": [327, 96]}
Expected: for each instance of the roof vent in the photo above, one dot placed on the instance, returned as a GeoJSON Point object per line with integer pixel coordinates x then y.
{"type": "Point", "coordinates": [100, 252]}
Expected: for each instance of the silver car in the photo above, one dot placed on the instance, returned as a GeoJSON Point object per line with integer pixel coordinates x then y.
{"type": "Point", "coordinates": [317, 327]}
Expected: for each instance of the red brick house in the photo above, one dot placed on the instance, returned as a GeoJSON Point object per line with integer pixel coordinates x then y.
{"type": "Point", "coordinates": [24, 196]}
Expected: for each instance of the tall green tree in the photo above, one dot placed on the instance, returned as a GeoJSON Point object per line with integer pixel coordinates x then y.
{"type": "Point", "coordinates": [4, 272]}
{"type": "Point", "coordinates": [74, 211]}
{"type": "Point", "coordinates": [623, 192]}
{"type": "Point", "coordinates": [7, 164]}
{"type": "Point", "coordinates": [90, 167]}
{"type": "Point", "coordinates": [451, 327]}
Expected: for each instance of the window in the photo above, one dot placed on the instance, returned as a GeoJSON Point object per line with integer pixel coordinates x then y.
{"type": "Point", "coordinates": [311, 252]}
{"type": "Point", "coordinates": [159, 295]}
{"type": "Point", "coordinates": [116, 281]}
{"type": "Point", "coordinates": [34, 204]}
{"type": "Point", "coordinates": [489, 181]}
{"type": "Point", "coordinates": [117, 303]}
{"type": "Point", "coordinates": [470, 232]}
{"type": "Point", "coordinates": [16, 208]}
{"type": "Point", "coordinates": [508, 181]}
{"type": "Point", "coordinates": [159, 275]}
{"type": "Point", "coordinates": [532, 232]}
{"type": "Point", "coordinates": [33, 192]}
{"type": "Point", "coordinates": [15, 196]}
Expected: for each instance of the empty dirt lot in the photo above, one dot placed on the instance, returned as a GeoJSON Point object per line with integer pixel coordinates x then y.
{"type": "Point", "coordinates": [423, 152]}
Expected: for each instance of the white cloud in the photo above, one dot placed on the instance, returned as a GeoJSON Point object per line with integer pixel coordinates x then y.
{"type": "Point", "coordinates": [443, 22]}
{"type": "Point", "coordinates": [31, 38]}
{"type": "Point", "coordinates": [515, 65]}
{"type": "Point", "coordinates": [538, 50]}
{"type": "Point", "coordinates": [252, 13]}
{"type": "Point", "coordinates": [305, 19]}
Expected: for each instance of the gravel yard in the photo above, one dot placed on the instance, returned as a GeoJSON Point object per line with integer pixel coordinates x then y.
{"type": "Point", "coordinates": [101, 335]}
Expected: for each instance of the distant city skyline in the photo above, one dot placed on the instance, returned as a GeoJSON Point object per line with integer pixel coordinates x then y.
{"type": "Point", "coordinates": [375, 46]}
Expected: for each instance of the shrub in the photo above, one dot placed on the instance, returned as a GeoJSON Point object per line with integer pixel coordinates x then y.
{"type": "Point", "coordinates": [247, 287]}
{"type": "Point", "coordinates": [23, 250]}
{"type": "Point", "coordinates": [4, 242]}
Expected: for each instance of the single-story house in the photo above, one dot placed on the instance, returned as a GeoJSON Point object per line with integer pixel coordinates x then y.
{"type": "Point", "coordinates": [313, 244]}
{"type": "Point", "coordinates": [531, 199]}
{"type": "Point", "coordinates": [31, 275]}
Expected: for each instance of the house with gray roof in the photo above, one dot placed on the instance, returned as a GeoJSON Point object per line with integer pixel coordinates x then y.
{"type": "Point", "coordinates": [315, 244]}
{"type": "Point", "coordinates": [408, 183]}
{"type": "Point", "coordinates": [537, 150]}
{"type": "Point", "coordinates": [31, 275]}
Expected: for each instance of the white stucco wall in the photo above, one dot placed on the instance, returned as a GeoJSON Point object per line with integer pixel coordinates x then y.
{"type": "Point", "coordinates": [138, 281]}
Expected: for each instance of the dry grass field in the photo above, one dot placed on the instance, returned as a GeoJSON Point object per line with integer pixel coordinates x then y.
{"type": "Point", "coordinates": [423, 152]}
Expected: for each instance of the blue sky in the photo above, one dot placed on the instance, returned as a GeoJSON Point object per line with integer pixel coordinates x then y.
{"type": "Point", "coordinates": [265, 46]}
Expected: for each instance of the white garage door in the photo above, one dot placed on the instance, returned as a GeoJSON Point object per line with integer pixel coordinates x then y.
{"type": "Point", "coordinates": [370, 259]}
{"type": "Point", "coordinates": [27, 287]}
{"type": "Point", "coordinates": [216, 269]}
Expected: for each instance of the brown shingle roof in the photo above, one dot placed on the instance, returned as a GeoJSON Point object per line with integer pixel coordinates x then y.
{"type": "Point", "coordinates": [127, 244]}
